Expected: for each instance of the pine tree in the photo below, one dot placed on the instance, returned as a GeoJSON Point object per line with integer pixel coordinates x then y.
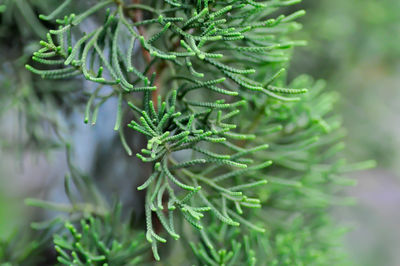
{"type": "Point", "coordinates": [244, 164]}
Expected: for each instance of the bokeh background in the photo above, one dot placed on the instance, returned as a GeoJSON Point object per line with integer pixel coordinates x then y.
{"type": "Point", "coordinates": [355, 46]}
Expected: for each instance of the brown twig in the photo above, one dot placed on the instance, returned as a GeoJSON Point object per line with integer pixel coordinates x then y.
{"type": "Point", "coordinates": [137, 15]}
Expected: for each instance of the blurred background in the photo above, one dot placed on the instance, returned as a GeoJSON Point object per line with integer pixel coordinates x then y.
{"type": "Point", "coordinates": [355, 46]}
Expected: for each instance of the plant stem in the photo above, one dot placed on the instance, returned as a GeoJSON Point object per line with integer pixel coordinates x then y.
{"type": "Point", "coordinates": [138, 16]}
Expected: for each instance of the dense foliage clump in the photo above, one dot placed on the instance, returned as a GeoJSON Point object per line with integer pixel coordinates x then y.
{"type": "Point", "coordinates": [239, 165]}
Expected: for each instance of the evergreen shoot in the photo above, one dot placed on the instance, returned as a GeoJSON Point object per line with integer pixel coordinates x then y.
{"type": "Point", "coordinates": [233, 162]}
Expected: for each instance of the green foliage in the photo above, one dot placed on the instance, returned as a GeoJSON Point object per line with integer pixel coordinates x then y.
{"type": "Point", "coordinates": [234, 150]}
{"type": "Point", "coordinates": [26, 247]}
{"type": "Point", "coordinates": [98, 242]}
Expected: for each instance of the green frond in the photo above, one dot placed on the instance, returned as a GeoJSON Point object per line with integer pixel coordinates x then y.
{"type": "Point", "coordinates": [244, 162]}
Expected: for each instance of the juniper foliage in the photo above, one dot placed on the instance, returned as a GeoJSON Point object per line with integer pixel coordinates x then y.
{"type": "Point", "coordinates": [244, 164]}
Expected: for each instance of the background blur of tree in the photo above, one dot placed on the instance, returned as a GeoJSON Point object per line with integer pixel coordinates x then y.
{"type": "Point", "coordinates": [355, 46]}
